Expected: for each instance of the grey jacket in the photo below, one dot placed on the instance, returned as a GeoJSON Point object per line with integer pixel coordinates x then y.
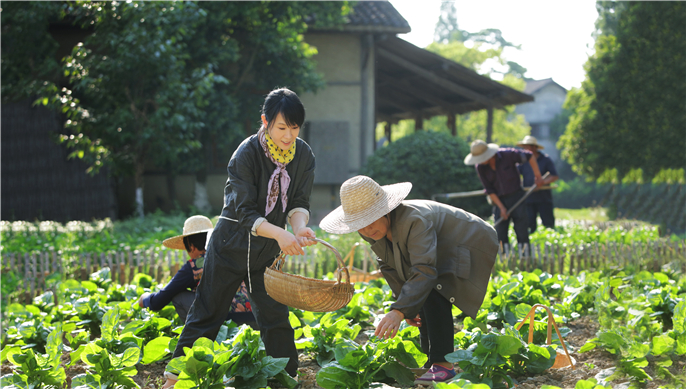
{"type": "Point", "coordinates": [436, 246]}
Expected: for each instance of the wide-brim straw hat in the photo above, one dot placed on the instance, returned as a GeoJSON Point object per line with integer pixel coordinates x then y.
{"type": "Point", "coordinates": [480, 152]}
{"type": "Point", "coordinates": [363, 201]}
{"type": "Point", "coordinates": [530, 141]}
{"type": "Point", "coordinates": [193, 225]}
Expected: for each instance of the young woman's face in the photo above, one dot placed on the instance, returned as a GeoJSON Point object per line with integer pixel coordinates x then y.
{"type": "Point", "coordinates": [280, 132]}
{"type": "Point", "coordinates": [377, 229]}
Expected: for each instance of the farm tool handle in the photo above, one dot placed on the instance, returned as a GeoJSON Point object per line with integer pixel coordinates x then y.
{"type": "Point", "coordinates": [527, 194]}
{"type": "Point", "coordinates": [551, 324]}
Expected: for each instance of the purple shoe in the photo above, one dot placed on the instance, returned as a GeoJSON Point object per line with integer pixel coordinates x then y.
{"type": "Point", "coordinates": [437, 373]}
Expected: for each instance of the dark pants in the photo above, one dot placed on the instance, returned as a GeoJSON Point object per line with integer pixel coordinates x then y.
{"type": "Point", "coordinates": [183, 301]}
{"type": "Point", "coordinates": [518, 216]}
{"type": "Point", "coordinates": [437, 330]}
{"type": "Point", "coordinates": [220, 280]}
{"type": "Point", "coordinates": [545, 210]}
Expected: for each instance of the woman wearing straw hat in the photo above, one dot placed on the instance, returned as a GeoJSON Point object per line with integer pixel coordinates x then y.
{"type": "Point", "coordinates": [497, 170]}
{"type": "Point", "coordinates": [270, 180]}
{"type": "Point", "coordinates": [541, 201]}
{"type": "Point", "coordinates": [181, 290]}
{"type": "Point", "coordinates": [432, 255]}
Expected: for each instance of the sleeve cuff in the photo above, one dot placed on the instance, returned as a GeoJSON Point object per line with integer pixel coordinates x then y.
{"type": "Point", "coordinates": [301, 210]}
{"type": "Point", "coordinates": [257, 225]}
{"type": "Point", "coordinates": [146, 300]}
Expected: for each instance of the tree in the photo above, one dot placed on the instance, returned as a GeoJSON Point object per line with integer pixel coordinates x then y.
{"type": "Point", "coordinates": [29, 51]}
{"type": "Point", "coordinates": [133, 97]}
{"type": "Point", "coordinates": [268, 39]}
{"type": "Point", "coordinates": [630, 112]}
{"type": "Point", "coordinates": [161, 83]}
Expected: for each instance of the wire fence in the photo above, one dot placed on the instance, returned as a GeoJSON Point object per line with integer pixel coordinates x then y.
{"type": "Point", "coordinates": [35, 270]}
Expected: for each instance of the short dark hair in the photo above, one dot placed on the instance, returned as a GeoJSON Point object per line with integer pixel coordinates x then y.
{"type": "Point", "coordinates": [197, 240]}
{"type": "Point", "coordinates": [285, 102]}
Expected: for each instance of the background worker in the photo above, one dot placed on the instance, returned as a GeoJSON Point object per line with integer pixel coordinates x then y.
{"type": "Point", "coordinates": [181, 290]}
{"type": "Point", "coordinates": [497, 170]}
{"type": "Point", "coordinates": [541, 201]}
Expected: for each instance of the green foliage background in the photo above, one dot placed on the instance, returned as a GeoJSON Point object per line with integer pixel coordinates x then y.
{"type": "Point", "coordinates": [631, 110]}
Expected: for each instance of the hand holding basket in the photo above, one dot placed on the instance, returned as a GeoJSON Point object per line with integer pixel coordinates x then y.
{"type": "Point", "coordinates": [309, 294]}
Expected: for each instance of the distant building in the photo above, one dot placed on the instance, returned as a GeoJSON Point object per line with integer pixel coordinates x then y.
{"type": "Point", "coordinates": [548, 99]}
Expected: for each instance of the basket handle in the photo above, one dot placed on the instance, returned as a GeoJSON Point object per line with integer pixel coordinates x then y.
{"type": "Point", "coordinates": [280, 261]}
{"type": "Point", "coordinates": [551, 325]}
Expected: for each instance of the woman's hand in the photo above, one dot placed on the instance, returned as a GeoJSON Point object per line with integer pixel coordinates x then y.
{"type": "Point", "coordinates": [416, 322]}
{"type": "Point", "coordinates": [303, 235]}
{"type": "Point", "coordinates": [388, 326]}
{"type": "Point", "coordinates": [289, 243]}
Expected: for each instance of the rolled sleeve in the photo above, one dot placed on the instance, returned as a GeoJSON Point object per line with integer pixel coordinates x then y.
{"type": "Point", "coordinates": [257, 225]}
{"type": "Point", "coordinates": [301, 210]}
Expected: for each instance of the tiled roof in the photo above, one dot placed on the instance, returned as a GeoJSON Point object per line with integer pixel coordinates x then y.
{"type": "Point", "coordinates": [373, 16]}
{"type": "Point", "coordinates": [532, 86]}
{"type": "Point", "coordinates": [377, 14]}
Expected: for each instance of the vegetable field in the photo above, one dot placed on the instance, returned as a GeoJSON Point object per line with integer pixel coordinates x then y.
{"type": "Point", "coordinates": [620, 307]}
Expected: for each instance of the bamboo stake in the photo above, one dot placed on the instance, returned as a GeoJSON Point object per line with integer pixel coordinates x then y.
{"type": "Point", "coordinates": [132, 267]}
{"type": "Point", "coordinates": [33, 275]}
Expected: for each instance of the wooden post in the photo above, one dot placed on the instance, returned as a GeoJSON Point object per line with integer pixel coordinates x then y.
{"type": "Point", "coordinates": [151, 270]}
{"type": "Point", "coordinates": [138, 261]}
{"type": "Point", "coordinates": [175, 266]}
{"type": "Point", "coordinates": [27, 283]}
{"type": "Point", "coordinates": [451, 123]}
{"type": "Point", "coordinates": [56, 265]}
{"type": "Point", "coordinates": [561, 259]}
{"type": "Point", "coordinates": [489, 125]}
{"type": "Point", "coordinates": [33, 276]}
{"type": "Point", "coordinates": [596, 262]}
{"type": "Point", "coordinates": [418, 122]}
{"type": "Point", "coordinates": [387, 131]}
{"type": "Point", "coordinates": [121, 260]}
{"type": "Point", "coordinates": [132, 266]}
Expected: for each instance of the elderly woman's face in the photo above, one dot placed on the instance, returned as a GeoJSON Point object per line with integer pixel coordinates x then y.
{"type": "Point", "coordinates": [377, 229]}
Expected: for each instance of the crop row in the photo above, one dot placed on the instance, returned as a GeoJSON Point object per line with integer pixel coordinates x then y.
{"type": "Point", "coordinates": [97, 324]}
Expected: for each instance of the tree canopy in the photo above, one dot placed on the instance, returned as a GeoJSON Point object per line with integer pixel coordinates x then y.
{"type": "Point", "coordinates": [630, 112]}
{"type": "Point", "coordinates": [160, 83]}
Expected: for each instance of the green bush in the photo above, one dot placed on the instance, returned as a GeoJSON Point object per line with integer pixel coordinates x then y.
{"type": "Point", "coordinates": [434, 163]}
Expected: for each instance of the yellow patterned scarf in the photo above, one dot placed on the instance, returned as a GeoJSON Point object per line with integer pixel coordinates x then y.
{"type": "Point", "coordinates": [280, 180]}
{"type": "Point", "coordinates": [284, 157]}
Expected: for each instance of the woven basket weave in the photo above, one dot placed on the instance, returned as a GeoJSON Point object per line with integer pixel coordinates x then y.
{"type": "Point", "coordinates": [309, 294]}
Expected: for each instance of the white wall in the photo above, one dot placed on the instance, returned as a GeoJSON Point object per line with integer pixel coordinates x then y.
{"type": "Point", "coordinates": [547, 103]}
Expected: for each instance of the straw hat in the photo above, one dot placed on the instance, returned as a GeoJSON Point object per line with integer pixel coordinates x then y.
{"type": "Point", "coordinates": [480, 152]}
{"type": "Point", "coordinates": [363, 201]}
{"type": "Point", "coordinates": [531, 141]}
{"type": "Point", "coordinates": [193, 225]}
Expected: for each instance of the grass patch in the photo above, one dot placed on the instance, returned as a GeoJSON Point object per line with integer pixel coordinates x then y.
{"type": "Point", "coordinates": [597, 214]}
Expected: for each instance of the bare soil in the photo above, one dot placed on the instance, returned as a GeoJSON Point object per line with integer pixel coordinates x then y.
{"type": "Point", "coordinates": [588, 365]}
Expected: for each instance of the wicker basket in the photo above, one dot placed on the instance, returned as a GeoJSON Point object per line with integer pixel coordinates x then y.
{"type": "Point", "coordinates": [309, 294]}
